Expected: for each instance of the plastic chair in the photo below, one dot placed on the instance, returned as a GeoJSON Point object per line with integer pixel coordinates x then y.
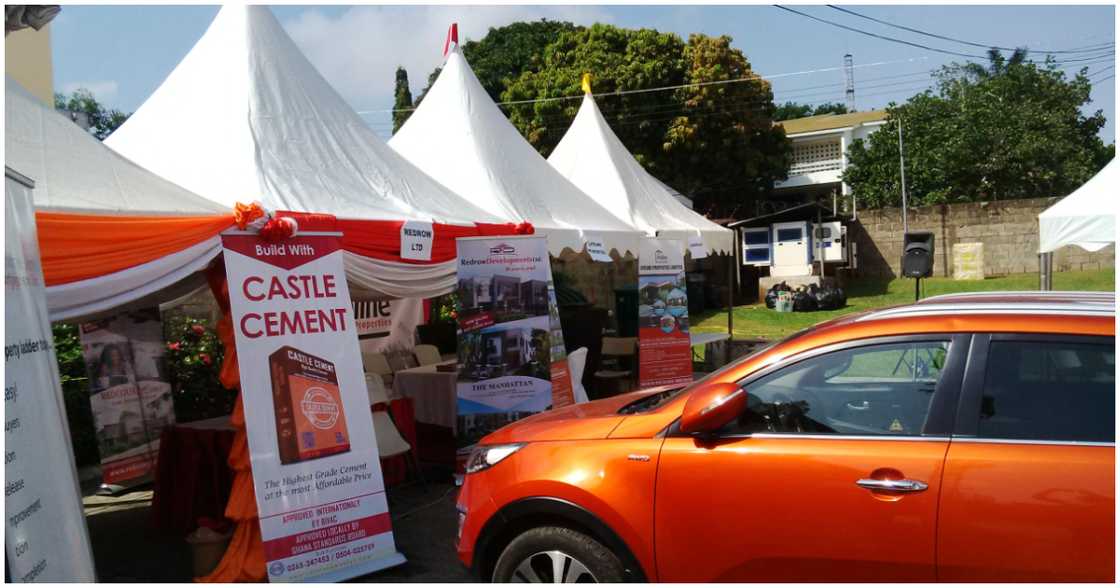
{"type": "Point", "coordinates": [390, 442]}
{"type": "Point", "coordinates": [376, 363]}
{"type": "Point", "coordinates": [577, 360]}
{"type": "Point", "coordinates": [427, 354]}
{"type": "Point", "coordinates": [614, 352]}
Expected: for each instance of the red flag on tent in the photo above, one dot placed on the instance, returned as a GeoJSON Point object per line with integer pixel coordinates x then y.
{"type": "Point", "coordinates": [452, 38]}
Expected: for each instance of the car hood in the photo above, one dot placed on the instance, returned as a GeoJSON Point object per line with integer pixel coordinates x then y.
{"type": "Point", "coordinates": [589, 420]}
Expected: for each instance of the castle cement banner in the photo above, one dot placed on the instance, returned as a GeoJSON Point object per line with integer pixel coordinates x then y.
{"type": "Point", "coordinates": [664, 346]}
{"type": "Point", "coordinates": [505, 355]}
{"type": "Point", "coordinates": [130, 395]}
{"type": "Point", "coordinates": [323, 512]}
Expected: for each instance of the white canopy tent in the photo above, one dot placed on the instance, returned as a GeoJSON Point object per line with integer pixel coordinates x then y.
{"type": "Point", "coordinates": [75, 173]}
{"type": "Point", "coordinates": [1086, 218]}
{"type": "Point", "coordinates": [245, 116]}
{"type": "Point", "coordinates": [460, 137]}
{"type": "Point", "coordinates": [596, 161]}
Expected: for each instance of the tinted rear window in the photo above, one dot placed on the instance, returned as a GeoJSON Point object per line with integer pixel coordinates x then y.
{"type": "Point", "coordinates": [1049, 391]}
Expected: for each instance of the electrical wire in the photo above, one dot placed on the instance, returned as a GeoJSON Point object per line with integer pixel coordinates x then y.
{"type": "Point", "coordinates": [878, 36]}
{"type": "Point", "coordinates": [980, 45]}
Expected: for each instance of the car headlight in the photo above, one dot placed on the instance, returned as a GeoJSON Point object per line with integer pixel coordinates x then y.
{"type": "Point", "coordinates": [486, 456]}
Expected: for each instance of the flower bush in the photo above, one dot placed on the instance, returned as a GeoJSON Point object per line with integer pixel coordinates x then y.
{"type": "Point", "coordinates": [194, 359]}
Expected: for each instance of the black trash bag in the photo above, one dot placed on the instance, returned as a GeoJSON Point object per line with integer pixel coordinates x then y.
{"type": "Point", "coordinates": [831, 298]}
{"type": "Point", "coordinates": [772, 294]}
{"type": "Point", "coordinates": [803, 301]}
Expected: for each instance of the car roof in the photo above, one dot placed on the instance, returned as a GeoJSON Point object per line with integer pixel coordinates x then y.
{"type": "Point", "coordinates": [950, 306]}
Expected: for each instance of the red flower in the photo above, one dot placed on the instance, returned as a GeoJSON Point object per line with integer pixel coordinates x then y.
{"type": "Point", "coordinates": [173, 346]}
{"type": "Point", "coordinates": [198, 330]}
{"type": "Point", "coordinates": [205, 357]}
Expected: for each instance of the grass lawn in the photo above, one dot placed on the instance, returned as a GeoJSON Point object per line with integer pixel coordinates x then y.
{"type": "Point", "coordinates": [754, 321]}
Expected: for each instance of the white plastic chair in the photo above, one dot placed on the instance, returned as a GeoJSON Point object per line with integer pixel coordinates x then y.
{"type": "Point", "coordinates": [374, 362]}
{"type": "Point", "coordinates": [577, 360]}
{"type": "Point", "coordinates": [427, 354]}
{"type": "Point", "coordinates": [390, 442]}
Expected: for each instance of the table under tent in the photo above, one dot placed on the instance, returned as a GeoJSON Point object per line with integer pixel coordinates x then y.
{"type": "Point", "coordinates": [113, 235]}
{"type": "Point", "coordinates": [1086, 218]}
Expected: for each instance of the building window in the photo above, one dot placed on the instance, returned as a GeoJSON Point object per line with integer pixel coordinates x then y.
{"type": "Point", "coordinates": [815, 156]}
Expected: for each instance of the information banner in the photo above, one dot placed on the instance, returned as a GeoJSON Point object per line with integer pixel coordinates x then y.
{"type": "Point", "coordinates": [45, 536]}
{"type": "Point", "coordinates": [130, 396]}
{"type": "Point", "coordinates": [323, 512]}
{"type": "Point", "coordinates": [505, 357]}
{"type": "Point", "coordinates": [664, 348]}
{"type": "Point", "coordinates": [388, 324]}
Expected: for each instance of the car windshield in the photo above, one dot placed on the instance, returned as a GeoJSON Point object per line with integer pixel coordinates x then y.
{"type": "Point", "coordinates": [652, 402]}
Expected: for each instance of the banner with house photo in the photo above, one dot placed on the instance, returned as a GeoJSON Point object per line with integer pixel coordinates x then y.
{"type": "Point", "coordinates": [505, 355]}
{"type": "Point", "coordinates": [130, 395]}
{"type": "Point", "coordinates": [664, 346]}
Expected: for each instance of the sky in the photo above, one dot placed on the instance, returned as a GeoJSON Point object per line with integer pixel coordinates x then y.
{"type": "Point", "coordinates": [123, 53]}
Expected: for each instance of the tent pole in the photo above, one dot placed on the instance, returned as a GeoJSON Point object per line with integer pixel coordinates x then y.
{"type": "Point", "coordinates": [1045, 270]}
{"type": "Point", "coordinates": [730, 300]}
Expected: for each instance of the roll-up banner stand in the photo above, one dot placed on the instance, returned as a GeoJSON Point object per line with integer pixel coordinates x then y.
{"type": "Point", "coordinates": [323, 511]}
{"type": "Point", "coordinates": [130, 396]}
{"type": "Point", "coordinates": [505, 350]}
{"type": "Point", "coordinates": [664, 347]}
{"type": "Point", "coordinates": [45, 535]}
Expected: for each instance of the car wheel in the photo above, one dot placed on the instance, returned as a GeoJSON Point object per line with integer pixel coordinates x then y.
{"type": "Point", "coordinates": [557, 555]}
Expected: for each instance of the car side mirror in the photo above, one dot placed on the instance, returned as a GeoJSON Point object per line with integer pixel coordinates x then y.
{"type": "Point", "coordinates": [712, 406]}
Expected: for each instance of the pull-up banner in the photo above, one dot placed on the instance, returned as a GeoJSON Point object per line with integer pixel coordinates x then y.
{"type": "Point", "coordinates": [45, 536]}
{"type": "Point", "coordinates": [505, 356]}
{"type": "Point", "coordinates": [130, 396]}
{"type": "Point", "coordinates": [664, 349]}
{"type": "Point", "coordinates": [323, 512]}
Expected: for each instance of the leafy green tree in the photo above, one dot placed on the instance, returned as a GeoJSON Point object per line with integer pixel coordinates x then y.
{"type": "Point", "coordinates": [724, 151]}
{"type": "Point", "coordinates": [1011, 129]}
{"type": "Point", "coordinates": [716, 143]}
{"type": "Point", "coordinates": [102, 120]}
{"type": "Point", "coordinates": [792, 110]}
{"type": "Point", "coordinates": [402, 99]}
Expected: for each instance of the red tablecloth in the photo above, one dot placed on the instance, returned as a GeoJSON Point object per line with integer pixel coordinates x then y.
{"type": "Point", "coordinates": [193, 479]}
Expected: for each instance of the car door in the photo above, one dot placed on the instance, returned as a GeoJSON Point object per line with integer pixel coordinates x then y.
{"type": "Point", "coordinates": [1029, 486]}
{"type": "Point", "coordinates": [830, 474]}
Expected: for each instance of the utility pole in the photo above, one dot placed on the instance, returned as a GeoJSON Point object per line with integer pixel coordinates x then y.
{"type": "Point", "coordinates": [902, 172]}
{"type": "Point", "coordinates": [849, 83]}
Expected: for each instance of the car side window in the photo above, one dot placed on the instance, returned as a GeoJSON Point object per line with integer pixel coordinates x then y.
{"type": "Point", "coordinates": [881, 389]}
{"type": "Point", "coordinates": [1049, 391]}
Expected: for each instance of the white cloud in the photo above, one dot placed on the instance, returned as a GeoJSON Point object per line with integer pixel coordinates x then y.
{"type": "Point", "coordinates": [359, 51]}
{"type": "Point", "coordinates": [105, 91]}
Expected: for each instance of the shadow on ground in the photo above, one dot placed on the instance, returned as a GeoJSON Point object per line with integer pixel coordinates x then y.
{"type": "Point", "coordinates": [127, 548]}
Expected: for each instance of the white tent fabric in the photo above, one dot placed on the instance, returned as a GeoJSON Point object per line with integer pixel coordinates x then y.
{"type": "Point", "coordinates": [460, 137]}
{"type": "Point", "coordinates": [1086, 218]}
{"type": "Point", "coordinates": [245, 116]}
{"type": "Point", "coordinates": [596, 161]}
{"type": "Point", "coordinates": [74, 172]}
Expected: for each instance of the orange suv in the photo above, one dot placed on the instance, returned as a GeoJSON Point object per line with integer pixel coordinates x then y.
{"type": "Point", "coordinates": [963, 438]}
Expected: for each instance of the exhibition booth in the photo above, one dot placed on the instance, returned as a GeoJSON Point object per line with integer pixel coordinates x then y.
{"type": "Point", "coordinates": [303, 230]}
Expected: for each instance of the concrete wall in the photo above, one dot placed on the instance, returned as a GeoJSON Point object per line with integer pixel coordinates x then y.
{"type": "Point", "coordinates": [27, 58]}
{"type": "Point", "coordinates": [1008, 229]}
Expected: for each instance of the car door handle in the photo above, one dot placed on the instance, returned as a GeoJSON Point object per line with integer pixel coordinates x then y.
{"type": "Point", "coordinates": [892, 485]}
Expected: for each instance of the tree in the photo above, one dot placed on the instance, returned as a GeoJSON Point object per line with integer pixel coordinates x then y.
{"type": "Point", "coordinates": [792, 110]}
{"type": "Point", "coordinates": [715, 143]}
{"type": "Point", "coordinates": [402, 99]}
{"type": "Point", "coordinates": [725, 146]}
{"type": "Point", "coordinates": [1012, 129]}
{"type": "Point", "coordinates": [102, 121]}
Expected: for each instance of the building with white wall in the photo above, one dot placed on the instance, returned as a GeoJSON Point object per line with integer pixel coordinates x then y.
{"type": "Point", "coordinates": [820, 155]}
